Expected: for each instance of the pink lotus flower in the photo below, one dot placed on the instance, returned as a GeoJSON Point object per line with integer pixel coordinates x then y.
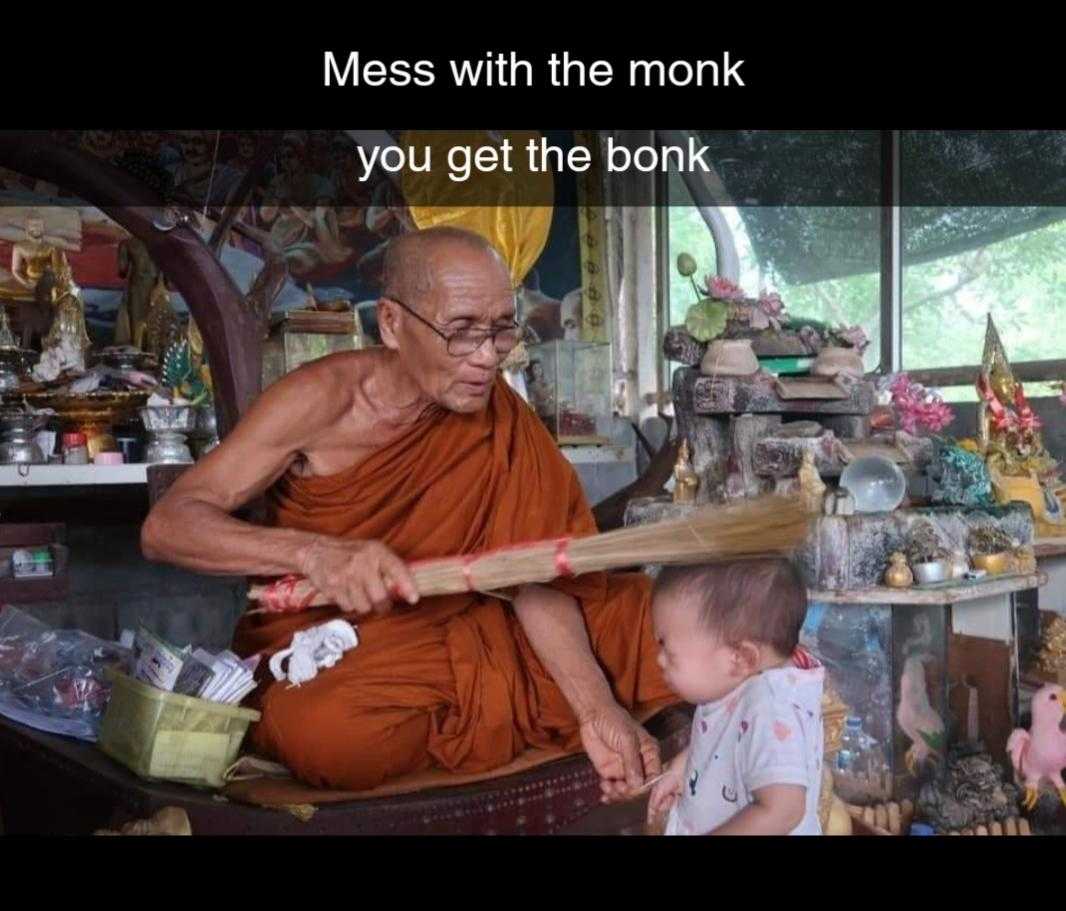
{"type": "Point", "coordinates": [917, 408]}
{"type": "Point", "coordinates": [723, 289]}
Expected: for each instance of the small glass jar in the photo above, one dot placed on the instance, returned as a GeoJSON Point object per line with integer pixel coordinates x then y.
{"type": "Point", "coordinates": [75, 449]}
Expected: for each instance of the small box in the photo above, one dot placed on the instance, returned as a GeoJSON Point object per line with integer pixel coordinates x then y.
{"type": "Point", "coordinates": [569, 384]}
{"type": "Point", "coordinates": [306, 335]}
{"type": "Point", "coordinates": [167, 737]}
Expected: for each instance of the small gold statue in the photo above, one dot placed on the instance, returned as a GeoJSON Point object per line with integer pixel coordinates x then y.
{"type": "Point", "coordinates": [160, 328]}
{"type": "Point", "coordinates": [68, 323]}
{"type": "Point", "coordinates": [898, 574]}
{"type": "Point", "coordinates": [812, 487]}
{"type": "Point", "coordinates": [1052, 658]}
{"type": "Point", "coordinates": [687, 482]}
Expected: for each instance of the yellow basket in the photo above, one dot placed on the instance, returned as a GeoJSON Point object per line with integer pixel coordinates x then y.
{"type": "Point", "coordinates": [168, 737]}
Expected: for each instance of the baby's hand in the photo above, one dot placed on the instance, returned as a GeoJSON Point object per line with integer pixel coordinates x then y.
{"type": "Point", "coordinates": [667, 789]}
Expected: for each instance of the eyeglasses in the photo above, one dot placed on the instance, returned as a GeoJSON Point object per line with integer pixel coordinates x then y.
{"type": "Point", "coordinates": [466, 341]}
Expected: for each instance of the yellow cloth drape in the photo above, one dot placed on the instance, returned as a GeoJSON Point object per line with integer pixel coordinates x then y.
{"type": "Point", "coordinates": [513, 211]}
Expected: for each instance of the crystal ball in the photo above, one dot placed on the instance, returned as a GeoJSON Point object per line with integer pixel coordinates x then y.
{"type": "Point", "coordinates": [876, 483]}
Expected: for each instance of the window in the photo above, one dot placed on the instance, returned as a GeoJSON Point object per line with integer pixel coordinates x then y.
{"type": "Point", "coordinates": [982, 230]}
{"type": "Point", "coordinates": [981, 234]}
{"type": "Point", "coordinates": [808, 225]}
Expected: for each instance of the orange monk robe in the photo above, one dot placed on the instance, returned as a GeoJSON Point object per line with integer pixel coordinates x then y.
{"type": "Point", "coordinates": [452, 681]}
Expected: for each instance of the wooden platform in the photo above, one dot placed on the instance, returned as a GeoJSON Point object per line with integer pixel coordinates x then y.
{"type": "Point", "coordinates": [57, 786]}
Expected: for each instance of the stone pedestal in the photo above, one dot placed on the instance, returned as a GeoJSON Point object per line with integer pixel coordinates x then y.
{"type": "Point", "coordinates": [737, 428]}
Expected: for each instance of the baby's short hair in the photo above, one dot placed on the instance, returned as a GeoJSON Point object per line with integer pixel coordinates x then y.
{"type": "Point", "coordinates": [760, 600]}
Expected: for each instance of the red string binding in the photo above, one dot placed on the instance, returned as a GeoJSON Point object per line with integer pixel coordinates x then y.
{"type": "Point", "coordinates": [562, 558]}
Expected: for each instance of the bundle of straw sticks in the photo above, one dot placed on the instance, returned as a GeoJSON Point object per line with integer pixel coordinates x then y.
{"type": "Point", "coordinates": [749, 528]}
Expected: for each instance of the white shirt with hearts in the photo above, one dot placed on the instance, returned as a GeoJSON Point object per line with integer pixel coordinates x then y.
{"type": "Point", "coordinates": [767, 731]}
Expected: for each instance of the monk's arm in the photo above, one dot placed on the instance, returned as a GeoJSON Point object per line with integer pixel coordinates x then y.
{"type": "Point", "coordinates": [555, 627]}
{"type": "Point", "coordinates": [191, 525]}
{"type": "Point", "coordinates": [620, 749]}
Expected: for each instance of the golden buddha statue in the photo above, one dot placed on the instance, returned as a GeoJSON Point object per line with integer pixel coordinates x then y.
{"type": "Point", "coordinates": [32, 257]}
{"type": "Point", "coordinates": [160, 328]}
{"type": "Point", "coordinates": [68, 322]}
{"type": "Point", "coordinates": [687, 481]}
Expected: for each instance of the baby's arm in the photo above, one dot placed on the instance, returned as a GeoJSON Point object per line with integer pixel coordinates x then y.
{"type": "Point", "coordinates": [776, 810]}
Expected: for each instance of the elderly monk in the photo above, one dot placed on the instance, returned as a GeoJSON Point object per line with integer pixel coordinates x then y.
{"type": "Point", "coordinates": [413, 450]}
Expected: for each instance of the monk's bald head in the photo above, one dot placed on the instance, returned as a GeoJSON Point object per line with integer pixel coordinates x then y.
{"type": "Point", "coordinates": [414, 261]}
{"type": "Point", "coordinates": [448, 310]}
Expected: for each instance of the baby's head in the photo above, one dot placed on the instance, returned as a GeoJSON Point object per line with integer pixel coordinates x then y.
{"type": "Point", "coordinates": [718, 624]}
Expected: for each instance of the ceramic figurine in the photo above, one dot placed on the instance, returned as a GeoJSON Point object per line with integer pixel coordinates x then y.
{"type": "Point", "coordinates": [1039, 754]}
{"type": "Point", "coordinates": [898, 574]}
{"type": "Point", "coordinates": [687, 481]}
{"type": "Point", "coordinates": [812, 487]}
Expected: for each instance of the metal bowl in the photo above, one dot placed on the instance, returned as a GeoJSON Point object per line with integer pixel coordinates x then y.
{"type": "Point", "coordinates": [877, 484]}
{"type": "Point", "coordinates": [931, 573]}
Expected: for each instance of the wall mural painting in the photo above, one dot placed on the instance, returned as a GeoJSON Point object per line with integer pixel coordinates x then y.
{"type": "Point", "coordinates": [308, 206]}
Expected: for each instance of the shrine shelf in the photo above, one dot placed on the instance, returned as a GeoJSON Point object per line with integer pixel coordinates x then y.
{"type": "Point", "coordinates": [945, 593]}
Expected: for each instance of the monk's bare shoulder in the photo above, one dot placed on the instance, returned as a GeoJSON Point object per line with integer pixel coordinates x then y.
{"type": "Point", "coordinates": [315, 397]}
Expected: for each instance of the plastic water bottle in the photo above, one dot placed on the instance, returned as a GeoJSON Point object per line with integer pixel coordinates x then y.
{"type": "Point", "coordinates": [851, 746]}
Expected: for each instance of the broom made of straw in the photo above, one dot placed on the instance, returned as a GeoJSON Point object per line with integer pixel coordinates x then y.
{"type": "Point", "coordinates": [766, 525]}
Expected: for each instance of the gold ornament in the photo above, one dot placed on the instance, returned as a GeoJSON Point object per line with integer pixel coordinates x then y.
{"type": "Point", "coordinates": [898, 574]}
{"type": "Point", "coordinates": [687, 481]}
{"type": "Point", "coordinates": [812, 487]}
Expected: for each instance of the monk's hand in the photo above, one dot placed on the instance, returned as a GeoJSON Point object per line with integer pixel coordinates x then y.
{"type": "Point", "coordinates": [622, 752]}
{"type": "Point", "coordinates": [358, 576]}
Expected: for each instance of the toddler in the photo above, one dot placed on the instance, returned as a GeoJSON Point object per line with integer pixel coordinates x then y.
{"type": "Point", "coordinates": [728, 637]}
